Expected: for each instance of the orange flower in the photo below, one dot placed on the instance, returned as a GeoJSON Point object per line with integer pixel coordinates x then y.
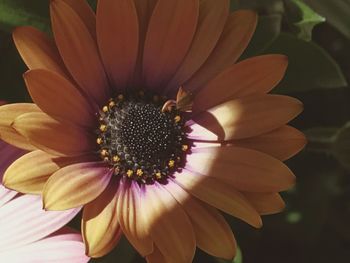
{"type": "Point", "coordinates": [108, 132]}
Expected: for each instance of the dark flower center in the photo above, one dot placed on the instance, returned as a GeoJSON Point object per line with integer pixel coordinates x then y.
{"type": "Point", "coordinates": [141, 140]}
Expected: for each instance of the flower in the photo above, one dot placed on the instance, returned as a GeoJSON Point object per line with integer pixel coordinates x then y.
{"type": "Point", "coordinates": [143, 116]}
{"type": "Point", "coordinates": [30, 234]}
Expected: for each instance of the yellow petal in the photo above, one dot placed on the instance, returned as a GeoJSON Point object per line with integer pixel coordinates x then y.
{"type": "Point", "coordinates": [51, 91]}
{"type": "Point", "coordinates": [52, 136]}
{"type": "Point", "coordinates": [29, 173]}
{"type": "Point", "coordinates": [169, 36]}
{"type": "Point", "coordinates": [157, 257]}
{"type": "Point", "coordinates": [211, 21]}
{"type": "Point", "coordinates": [86, 14]}
{"type": "Point", "coordinates": [282, 143]}
{"type": "Point", "coordinates": [237, 33]}
{"type": "Point", "coordinates": [118, 39]}
{"type": "Point", "coordinates": [100, 226]}
{"type": "Point", "coordinates": [248, 116]}
{"type": "Point", "coordinates": [257, 75]}
{"type": "Point", "coordinates": [169, 226]}
{"type": "Point", "coordinates": [75, 185]}
{"type": "Point", "coordinates": [220, 195]}
{"type": "Point", "coordinates": [37, 50]}
{"type": "Point", "coordinates": [131, 219]}
{"type": "Point", "coordinates": [8, 113]}
{"type": "Point", "coordinates": [243, 169]}
{"type": "Point", "coordinates": [266, 203]}
{"type": "Point", "coordinates": [79, 51]}
{"type": "Point", "coordinates": [213, 234]}
{"type": "Point", "coordinates": [144, 12]}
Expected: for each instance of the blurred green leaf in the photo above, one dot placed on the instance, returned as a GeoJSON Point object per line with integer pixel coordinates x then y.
{"type": "Point", "coordinates": [266, 32]}
{"type": "Point", "coordinates": [302, 18]}
{"type": "Point", "coordinates": [15, 13]}
{"type": "Point", "coordinates": [341, 146]}
{"type": "Point", "coordinates": [310, 66]}
{"type": "Point", "coordinates": [336, 12]}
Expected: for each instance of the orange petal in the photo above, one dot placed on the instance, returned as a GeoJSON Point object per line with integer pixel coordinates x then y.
{"type": "Point", "coordinates": [247, 117]}
{"type": "Point", "coordinates": [156, 257]}
{"type": "Point", "coordinates": [27, 178]}
{"type": "Point", "coordinates": [37, 50]}
{"type": "Point", "coordinates": [8, 113]}
{"type": "Point", "coordinates": [75, 185]}
{"type": "Point", "coordinates": [169, 36]}
{"type": "Point", "coordinates": [79, 51]}
{"type": "Point", "coordinates": [211, 21]}
{"type": "Point", "coordinates": [52, 136]}
{"type": "Point", "coordinates": [257, 75]}
{"type": "Point", "coordinates": [169, 226]}
{"type": "Point", "coordinates": [237, 33]}
{"type": "Point", "coordinates": [213, 234]}
{"type": "Point", "coordinates": [86, 14]}
{"type": "Point", "coordinates": [144, 10]}
{"type": "Point", "coordinates": [100, 227]}
{"type": "Point", "coordinates": [266, 203]}
{"type": "Point", "coordinates": [51, 91]}
{"type": "Point", "coordinates": [118, 33]}
{"type": "Point", "coordinates": [131, 219]}
{"type": "Point", "coordinates": [220, 195]}
{"type": "Point", "coordinates": [282, 143]}
{"type": "Point", "coordinates": [243, 169]}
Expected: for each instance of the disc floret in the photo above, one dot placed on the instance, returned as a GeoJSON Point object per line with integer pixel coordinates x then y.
{"type": "Point", "coordinates": [139, 139]}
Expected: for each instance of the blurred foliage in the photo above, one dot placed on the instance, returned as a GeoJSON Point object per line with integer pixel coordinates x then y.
{"type": "Point", "coordinates": [337, 13]}
{"type": "Point", "coordinates": [315, 35]}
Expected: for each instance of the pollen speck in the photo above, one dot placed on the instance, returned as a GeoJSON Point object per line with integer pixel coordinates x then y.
{"type": "Point", "coordinates": [139, 172]}
{"type": "Point", "coordinates": [171, 163]}
{"type": "Point", "coordinates": [105, 109]}
{"type": "Point", "coordinates": [99, 141]}
{"type": "Point", "coordinates": [103, 128]}
{"type": "Point", "coordinates": [116, 158]}
{"type": "Point", "coordinates": [129, 173]}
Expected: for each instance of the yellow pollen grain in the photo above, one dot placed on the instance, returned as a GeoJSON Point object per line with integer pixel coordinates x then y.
{"type": "Point", "coordinates": [111, 104]}
{"type": "Point", "coordinates": [177, 118]}
{"type": "Point", "coordinates": [139, 172]}
{"type": "Point", "coordinates": [158, 175]}
{"type": "Point", "coordinates": [116, 158]}
{"type": "Point", "coordinates": [103, 128]}
{"type": "Point", "coordinates": [120, 97]}
{"type": "Point", "coordinates": [104, 153]}
{"type": "Point", "coordinates": [129, 173]}
{"type": "Point", "coordinates": [171, 163]}
{"type": "Point", "coordinates": [184, 148]}
{"type": "Point", "coordinates": [105, 109]}
{"type": "Point", "coordinates": [99, 141]}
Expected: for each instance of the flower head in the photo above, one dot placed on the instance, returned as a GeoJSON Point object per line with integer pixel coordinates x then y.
{"type": "Point", "coordinates": [30, 234]}
{"type": "Point", "coordinates": [142, 116]}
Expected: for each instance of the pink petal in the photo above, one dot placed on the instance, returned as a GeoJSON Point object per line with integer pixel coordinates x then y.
{"type": "Point", "coordinates": [23, 221]}
{"type": "Point", "coordinates": [63, 246]}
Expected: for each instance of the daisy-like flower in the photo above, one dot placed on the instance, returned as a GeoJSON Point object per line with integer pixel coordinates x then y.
{"type": "Point", "coordinates": [143, 116]}
{"type": "Point", "coordinates": [30, 234]}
